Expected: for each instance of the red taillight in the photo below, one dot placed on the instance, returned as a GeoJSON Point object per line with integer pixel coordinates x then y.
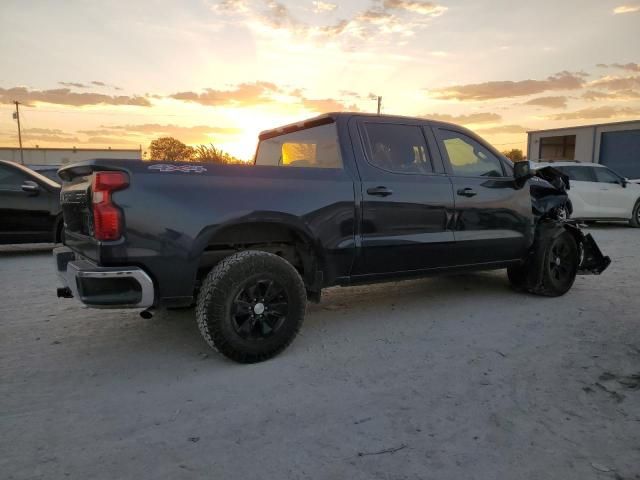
{"type": "Point", "coordinates": [107, 218]}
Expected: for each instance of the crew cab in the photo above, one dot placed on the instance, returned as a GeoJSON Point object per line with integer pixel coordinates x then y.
{"type": "Point", "coordinates": [339, 199]}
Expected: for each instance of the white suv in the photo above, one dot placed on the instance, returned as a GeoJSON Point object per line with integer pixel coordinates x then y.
{"type": "Point", "coordinates": [598, 193]}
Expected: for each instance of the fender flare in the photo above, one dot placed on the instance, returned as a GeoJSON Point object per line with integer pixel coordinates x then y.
{"type": "Point", "coordinates": [287, 221]}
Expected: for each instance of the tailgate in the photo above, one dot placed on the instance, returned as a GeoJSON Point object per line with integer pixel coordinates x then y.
{"type": "Point", "coordinates": [77, 207]}
{"type": "Point", "coordinates": [75, 200]}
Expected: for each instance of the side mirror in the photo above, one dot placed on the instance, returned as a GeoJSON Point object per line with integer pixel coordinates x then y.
{"type": "Point", "coordinates": [624, 181]}
{"type": "Point", "coordinates": [30, 187]}
{"type": "Point", "coordinates": [522, 170]}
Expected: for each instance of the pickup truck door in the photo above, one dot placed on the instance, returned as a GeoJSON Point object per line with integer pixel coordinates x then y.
{"type": "Point", "coordinates": [493, 218]}
{"type": "Point", "coordinates": [406, 199]}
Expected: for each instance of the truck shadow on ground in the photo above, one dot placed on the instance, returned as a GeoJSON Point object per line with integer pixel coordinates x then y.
{"type": "Point", "coordinates": [175, 332]}
{"type": "Point", "coordinates": [353, 305]}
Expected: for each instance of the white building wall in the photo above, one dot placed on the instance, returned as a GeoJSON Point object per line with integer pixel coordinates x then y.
{"type": "Point", "coordinates": [587, 139]}
{"type": "Point", "coordinates": [62, 156]}
{"type": "Point", "coordinates": [584, 142]}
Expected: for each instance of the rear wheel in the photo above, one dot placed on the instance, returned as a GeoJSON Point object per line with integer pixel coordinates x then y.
{"type": "Point", "coordinates": [635, 216]}
{"type": "Point", "coordinates": [251, 306]}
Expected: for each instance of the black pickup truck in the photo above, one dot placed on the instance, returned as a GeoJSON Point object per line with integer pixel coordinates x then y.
{"type": "Point", "coordinates": [340, 199]}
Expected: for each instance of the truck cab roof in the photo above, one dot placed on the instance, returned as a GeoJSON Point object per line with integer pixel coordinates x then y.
{"type": "Point", "coordinates": [334, 116]}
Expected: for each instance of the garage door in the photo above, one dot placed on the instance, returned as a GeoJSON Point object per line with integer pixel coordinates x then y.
{"type": "Point", "coordinates": [621, 152]}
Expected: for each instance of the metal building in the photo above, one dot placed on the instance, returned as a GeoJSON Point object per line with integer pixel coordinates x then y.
{"type": "Point", "coordinates": [62, 156]}
{"type": "Point", "coordinates": [616, 145]}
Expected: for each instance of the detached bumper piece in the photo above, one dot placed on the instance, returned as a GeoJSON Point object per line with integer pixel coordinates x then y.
{"type": "Point", "coordinates": [593, 262]}
{"type": "Point", "coordinates": [102, 287]}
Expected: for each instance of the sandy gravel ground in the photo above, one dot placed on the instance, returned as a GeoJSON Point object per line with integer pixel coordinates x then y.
{"type": "Point", "coordinates": [443, 378]}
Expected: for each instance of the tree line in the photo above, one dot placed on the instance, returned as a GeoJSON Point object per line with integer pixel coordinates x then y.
{"type": "Point", "coordinates": [515, 155]}
{"type": "Point", "coordinates": [169, 149]}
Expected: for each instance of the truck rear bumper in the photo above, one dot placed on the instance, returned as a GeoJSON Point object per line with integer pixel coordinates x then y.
{"type": "Point", "coordinates": [103, 287]}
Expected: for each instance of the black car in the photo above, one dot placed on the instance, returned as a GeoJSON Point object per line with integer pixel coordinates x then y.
{"type": "Point", "coordinates": [49, 171]}
{"type": "Point", "coordinates": [29, 206]}
{"type": "Point", "coordinates": [341, 199]}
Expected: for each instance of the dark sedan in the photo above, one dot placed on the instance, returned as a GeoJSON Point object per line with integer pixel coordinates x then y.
{"type": "Point", "coordinates": [29, 206]}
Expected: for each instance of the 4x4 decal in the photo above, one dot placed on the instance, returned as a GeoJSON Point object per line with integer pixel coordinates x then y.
{"type": "Point", "coordinates": [167, 167]}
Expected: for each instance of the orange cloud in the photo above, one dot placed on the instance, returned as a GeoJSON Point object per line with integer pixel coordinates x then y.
{"type": "Point", "coordinates": [470, 119]}
{"type": "Point", "coordinates": [393, 17]}
{"type": "Point", "coordinates": [606, 111]}
{"type": "Point", "coordinates": [416, 6]}
{"type": "Point", "coordinates": [594, 95]}
{"type": "Point", "coordinates": [320, 6]}
{"type": "Point", "coordinates": [326, 105]}
{"type": "Point", "coordinates": [551, 102]}
{"type": "Point", "coordinates": [258, 93]}
{"type": "Point", "coordinates": [502, 129]}
{"type": "Point", "coordinates": [243, 95]}
{"type": "Point", "coordinates": [64, 96]}
{"type": "Point", "coordinates": [626, 9]}
{"type": "Point", "coordinates": [73, 84]}
{"type": "Point", "coordinates": [632, 67]}
{"type": "Point", "coordinates": [506, 89]}
{"type": "Point", "coordinates": [616, 83]}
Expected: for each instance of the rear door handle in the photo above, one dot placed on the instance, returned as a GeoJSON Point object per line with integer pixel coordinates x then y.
{"type": "Point", "coordinates": [467, 192]}
{"type": "Point", "coordinates": [379, 191]}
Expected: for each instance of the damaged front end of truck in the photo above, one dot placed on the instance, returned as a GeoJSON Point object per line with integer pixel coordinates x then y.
{"type": "Point", "coordinates": [552, 211]}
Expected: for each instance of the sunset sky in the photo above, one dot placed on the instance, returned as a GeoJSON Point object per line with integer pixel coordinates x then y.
{"type": "Point", "coordinates": [116, 73]}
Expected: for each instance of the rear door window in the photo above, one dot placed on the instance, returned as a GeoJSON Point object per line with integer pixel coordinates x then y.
{"type": "Point", "coordinates": [315, 147]}
{"type": "Point", "coordinates": [397, 148]}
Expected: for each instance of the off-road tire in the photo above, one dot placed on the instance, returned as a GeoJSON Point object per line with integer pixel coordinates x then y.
{"type": "Point", "coordinates": [635, 216]}
{"type": "Point", "coordinates": [223, 284]}
{"type": "Point", "coordinates": [552, 286]}
{"type": "Point", "coordinates": [540, 274]}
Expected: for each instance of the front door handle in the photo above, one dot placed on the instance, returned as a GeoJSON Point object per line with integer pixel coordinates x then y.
{"type": "Point", "coordinates": [379, 191]}
{"type": "Point", "coordinates": [467, 192]}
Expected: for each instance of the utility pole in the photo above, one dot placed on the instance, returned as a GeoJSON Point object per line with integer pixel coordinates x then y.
{"type": "Point", "coordinates": [16, 115]}
{"type": "Point", "coordinates": [379, 104]}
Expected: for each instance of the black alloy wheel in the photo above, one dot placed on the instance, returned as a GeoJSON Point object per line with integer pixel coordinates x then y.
{"type": "Point", "coordinates": [259, 309]}
{"type": "Point", "coordinates": [561, 261]}
{"type": "Point", "coordinates": [251, 306]}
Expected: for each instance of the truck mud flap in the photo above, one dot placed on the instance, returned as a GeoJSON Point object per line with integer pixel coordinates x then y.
{"type": "Point", "coordinates": [593, 262]}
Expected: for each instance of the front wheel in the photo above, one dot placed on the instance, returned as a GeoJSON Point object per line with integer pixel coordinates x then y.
{"type": "Point", "coordinates": [635, 216]}
{"type": "Point", "coordinates": [551, 269]}
{"type": "Point", "coordinates": [251, 306]}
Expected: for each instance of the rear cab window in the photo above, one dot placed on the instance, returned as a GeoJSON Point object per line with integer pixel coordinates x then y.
{"type": "Point", "coordinates": [314, 147]}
